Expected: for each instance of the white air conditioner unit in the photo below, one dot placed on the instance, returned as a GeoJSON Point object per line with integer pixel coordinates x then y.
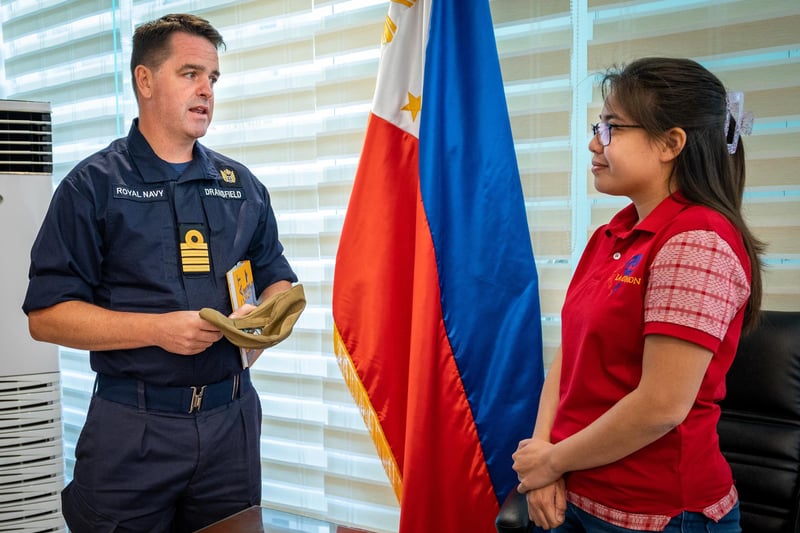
{"type": "Point", "coordinates": [31, 450]}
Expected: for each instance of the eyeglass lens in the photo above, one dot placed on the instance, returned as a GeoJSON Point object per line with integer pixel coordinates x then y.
{"type": "Point", "coordinates": [604, 131]}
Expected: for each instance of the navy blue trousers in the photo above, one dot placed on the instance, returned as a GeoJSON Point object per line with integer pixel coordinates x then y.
{"type": "Point", "coordinates": [154, 472]}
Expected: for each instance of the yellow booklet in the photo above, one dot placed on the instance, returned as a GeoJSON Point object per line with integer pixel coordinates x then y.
{"type": "Point", "coordinates": [242, 291]}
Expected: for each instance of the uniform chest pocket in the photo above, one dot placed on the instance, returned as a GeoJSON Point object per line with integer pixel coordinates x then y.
{"type": "Point", "coordinates": [141, 258]}
{"type": "Point", "coordinates": [232, 222]}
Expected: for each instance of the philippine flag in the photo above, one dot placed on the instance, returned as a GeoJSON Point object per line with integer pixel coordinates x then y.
{"type": "Point", "coordinates": [435, 295]}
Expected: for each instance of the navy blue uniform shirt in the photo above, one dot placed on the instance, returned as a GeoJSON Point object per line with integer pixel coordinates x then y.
{"type": "Point", "coordinates": [125, 232]}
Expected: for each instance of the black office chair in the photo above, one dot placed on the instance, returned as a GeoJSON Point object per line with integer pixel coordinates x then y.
{"type": "Point", "coordinates": [759, 431]}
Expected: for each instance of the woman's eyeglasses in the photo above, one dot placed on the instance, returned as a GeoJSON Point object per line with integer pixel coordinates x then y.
{"type": "Point", "coordinates": [604, 130]}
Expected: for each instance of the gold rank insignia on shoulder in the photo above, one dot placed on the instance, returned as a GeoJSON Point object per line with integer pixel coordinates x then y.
{"type": "Point", "coordinates": [194, 249]}
{"type": "Point", "coordinates": [228, 175]}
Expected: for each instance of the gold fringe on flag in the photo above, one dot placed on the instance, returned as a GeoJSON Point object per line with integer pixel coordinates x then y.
{"type": "Point", "coordinates": [364, 403]}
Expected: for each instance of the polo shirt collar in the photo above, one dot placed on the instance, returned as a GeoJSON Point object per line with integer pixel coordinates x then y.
{"type": "Point", "coordinates": [624, 222]}
{"type": "Point", "coordinates": [153, 169]}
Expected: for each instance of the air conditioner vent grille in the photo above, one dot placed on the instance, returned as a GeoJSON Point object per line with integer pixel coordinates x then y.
{"type": "Point", "coordinates": [26, 142]}
{"type": "Point", "coordinates": [31, 456]}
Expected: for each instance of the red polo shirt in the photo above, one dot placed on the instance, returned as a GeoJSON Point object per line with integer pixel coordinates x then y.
{"type": "Point", "coordinates": [682, 272]}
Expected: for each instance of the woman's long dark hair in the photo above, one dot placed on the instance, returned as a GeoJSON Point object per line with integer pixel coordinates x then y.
{"type": "Point", "coordinates": [663, 93]}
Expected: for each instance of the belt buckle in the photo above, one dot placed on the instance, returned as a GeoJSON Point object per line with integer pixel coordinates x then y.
{"type": "Point", "coordinates": [197, 398]}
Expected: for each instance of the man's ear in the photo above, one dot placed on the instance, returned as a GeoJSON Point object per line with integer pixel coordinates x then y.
{"type": "Point", "coordinates": [143, 77]}
{"type": "Point", "coordinates": [674, 141]}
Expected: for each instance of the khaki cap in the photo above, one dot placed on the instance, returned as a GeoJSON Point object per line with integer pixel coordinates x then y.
{"type": "Point", "coordinates": [266, 325]}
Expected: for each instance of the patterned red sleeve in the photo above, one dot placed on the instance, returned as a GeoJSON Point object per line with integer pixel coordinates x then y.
{"type": "Point", "coordinates": [696, 281]}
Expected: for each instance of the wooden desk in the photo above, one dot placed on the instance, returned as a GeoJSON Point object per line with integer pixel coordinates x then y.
{"type": "Point", "coordinates": [247, 521]}
{"type": "Point", "coordinates": [252, 521]}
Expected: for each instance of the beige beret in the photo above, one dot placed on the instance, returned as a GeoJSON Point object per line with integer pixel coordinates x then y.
{"type": "Point", "coordinates": [266, 325]}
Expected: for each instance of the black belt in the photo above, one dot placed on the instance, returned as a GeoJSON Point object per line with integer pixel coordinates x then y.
{"type": "Point", "coordinates": [137, 393]}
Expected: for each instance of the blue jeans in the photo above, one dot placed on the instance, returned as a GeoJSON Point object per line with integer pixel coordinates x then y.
{"type": "Point", "coordinates": [578, 521]}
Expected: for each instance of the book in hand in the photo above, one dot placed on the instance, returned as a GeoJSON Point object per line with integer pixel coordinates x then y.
{"type": "Point", "coordinates": [242, 291]}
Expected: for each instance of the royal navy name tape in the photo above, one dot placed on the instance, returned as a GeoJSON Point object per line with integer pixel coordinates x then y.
{"type": "Point", "coordinates": [151, 195]}
{"type": "Point", "coordinates": [223, 193]}
{"type": "Point", "coordinates": [145, 195]}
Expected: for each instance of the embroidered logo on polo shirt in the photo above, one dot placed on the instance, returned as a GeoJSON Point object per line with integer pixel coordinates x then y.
{"type": "Point", "coordinates": [627, 277]}
{"type": "Point", "coordinates": [194, 249]}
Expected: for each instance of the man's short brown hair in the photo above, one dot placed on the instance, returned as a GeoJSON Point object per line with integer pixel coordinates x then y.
{"type": "Point", "coordinates": [151, 43]}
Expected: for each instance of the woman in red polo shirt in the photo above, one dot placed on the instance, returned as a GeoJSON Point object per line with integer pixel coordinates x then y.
{"type": "Point", "coordinates": [625, 438]}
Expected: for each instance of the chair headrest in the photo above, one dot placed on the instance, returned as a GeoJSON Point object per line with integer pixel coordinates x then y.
{"type": "Point", "coordinates": [768, 356]}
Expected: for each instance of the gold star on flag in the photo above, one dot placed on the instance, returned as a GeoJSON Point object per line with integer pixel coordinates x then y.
{"type": "Point", "coordinates": [413, 106]}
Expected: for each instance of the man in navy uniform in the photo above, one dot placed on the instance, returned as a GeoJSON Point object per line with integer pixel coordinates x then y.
{"type": "Point", "coordinates": [137, 240]}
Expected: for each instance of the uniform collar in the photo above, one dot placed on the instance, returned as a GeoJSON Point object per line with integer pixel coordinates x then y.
{"type": "Point", "coordinates": [625, 222]}
{"type": "Point", "coordinates": [153, 169]}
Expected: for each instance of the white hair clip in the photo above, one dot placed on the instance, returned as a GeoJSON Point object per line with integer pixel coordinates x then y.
{"type": "Point", "coordinates": [744, 119]}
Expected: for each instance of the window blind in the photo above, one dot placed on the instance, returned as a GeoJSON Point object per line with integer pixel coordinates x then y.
{"type": "Point", "coordinates": [297, 84]}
